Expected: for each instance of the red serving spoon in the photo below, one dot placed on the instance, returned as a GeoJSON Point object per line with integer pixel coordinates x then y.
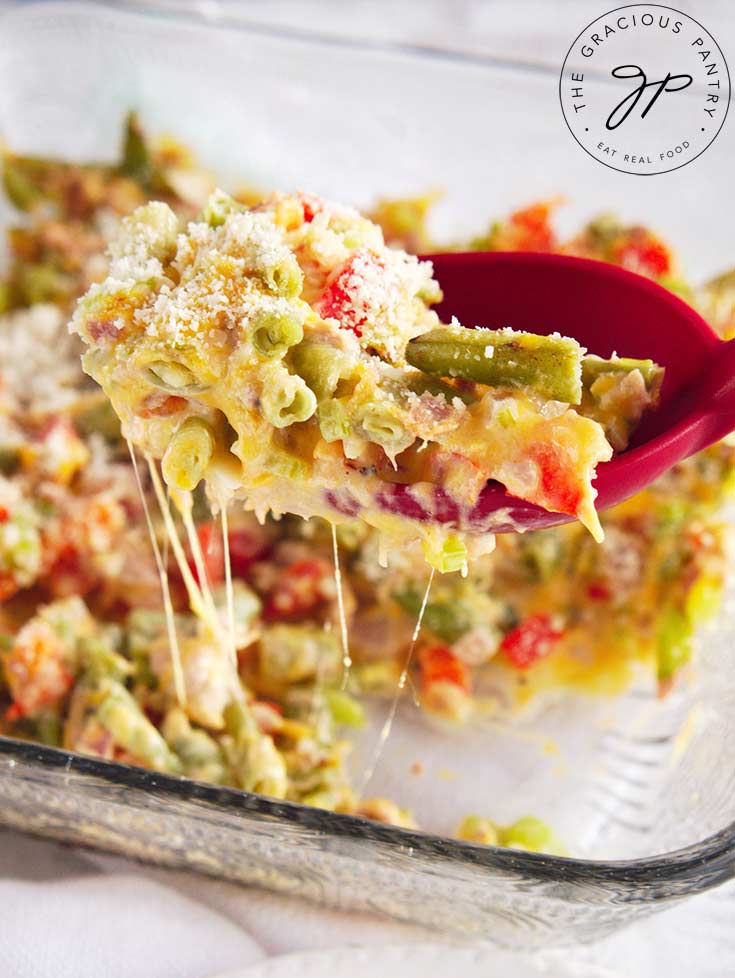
{"type": "Point", "coordinates": [608, 310]}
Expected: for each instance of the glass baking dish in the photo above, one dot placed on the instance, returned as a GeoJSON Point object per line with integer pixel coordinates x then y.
{"type": "Point", "coordinates": [643, 789]}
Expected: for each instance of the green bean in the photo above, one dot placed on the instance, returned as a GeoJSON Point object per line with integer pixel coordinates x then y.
{"type": "Point", "coordinates": [157, 225]}
{"type": "Point", "coordinates": [447, 555]}
{"type": "Point", "coordinates": [321, 366]}
{"type": "Point", "coordinates": [200, 754]}
{"type": "Point", "coordinates": [287, 465]}
{"type": "Point", "coordinates": [102, 661]}
{"type": "Point", "coordinates": [218, 208]}
{"type": "Point", "coordinates": [421, 384]}
{"type": "Point", "coordinates": [174, 378]}
{"type": "Point", "coordinates": [593, 367]}
{"type": "Point", "coordinates": [262, 769]}
{"type": "Point", "coordinates": [382, 423]}
{"type": "Point", "coordinates": [550, 365]}
{"type": "Point", "coordinates": [143, 627]}
{"type": "Point", "coordinates": [607, 397]}
{"type": "Point", "coordinates": [286, 399]}
{"type": "Point", "coordinates": [120, 714]}
{"type": "Point", "coordinates": [273, 332]}
{"type": "Point", "coordinates": [345, 709]}
{"type": "Point", "coordinates": [257, 764]}
{"type": "Point", "coordinates": [295, 653]}
{"type": "Point", "coordinates": [285, 277]}
{"type": "Point", "coordinates": [20, 544]}
{"type": "Point", "coordinates": [239, 721]}
{"type": "Point", "coordinates": [448, 621]}
{"type": "Point", "coordinates": [189, 453]}
{"type": "Point", "coordinates": [137, 162]}
{"type": "Point", "coordinates": [334, 421]}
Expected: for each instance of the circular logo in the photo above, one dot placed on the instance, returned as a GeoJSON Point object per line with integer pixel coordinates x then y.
{"type": "Point", "coordinates": [644, 89]}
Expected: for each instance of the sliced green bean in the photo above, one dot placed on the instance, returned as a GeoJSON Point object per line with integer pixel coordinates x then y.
{"type": "Point", "coordinates": [593, 367]}
{"type": "Point", "coordinates": [189, 453]}
{"type": "Point", "coordinates": [334, 421]}
{"type": "Point", "coordinates": [286, 398]}
{"type": "Point", "coordinates": [321, 366]}
{"type": "Point", "coordinates": [174, 378]}
{"type": "Point", "coordinates": [450, 557]}
{"type": "Point", "coordinates": [218, 208]}
{"type": "Point", "coordinates": [285, 277]}
{"type": "Point", "coordinates": [383, 424]}
{"type": "Point", "coordinates": [257, 764]}
{"type": "Point", "coordinates": [550, 365]}
{"type": "Point", "coordinates": [273, 332]}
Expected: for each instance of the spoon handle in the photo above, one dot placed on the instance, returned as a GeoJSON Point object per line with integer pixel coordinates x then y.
{"type": "Point", "coordinates": [713, 411]}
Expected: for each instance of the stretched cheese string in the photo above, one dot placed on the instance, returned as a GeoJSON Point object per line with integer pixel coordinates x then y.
{"type": "Point", "coordinates": [201, 601]}
{"type": "Point", "coordinates": [232, 645]}
{"type": "Point", "coordinates": [196, 600]}
{"type": "Point", "coordinates": [183, 503]}
{"type": "Point", "coordinates": [402, 680]}
{"type": "Point", "coordinates": [346, 658]}
{"type": "Point", "coordinates": [173, 641]}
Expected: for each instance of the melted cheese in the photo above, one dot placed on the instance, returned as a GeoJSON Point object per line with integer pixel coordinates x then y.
{"type": "Point", "coordinates": [176, 665]}
{"type": "Point", "coordinates": [385, 731]}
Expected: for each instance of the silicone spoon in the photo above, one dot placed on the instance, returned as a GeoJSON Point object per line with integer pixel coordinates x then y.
{"type": "Point", "coordinates": [607, 309]}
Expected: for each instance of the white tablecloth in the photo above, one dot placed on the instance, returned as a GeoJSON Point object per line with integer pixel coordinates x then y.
{"type": "Point", "coordinates": [71, 914]}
